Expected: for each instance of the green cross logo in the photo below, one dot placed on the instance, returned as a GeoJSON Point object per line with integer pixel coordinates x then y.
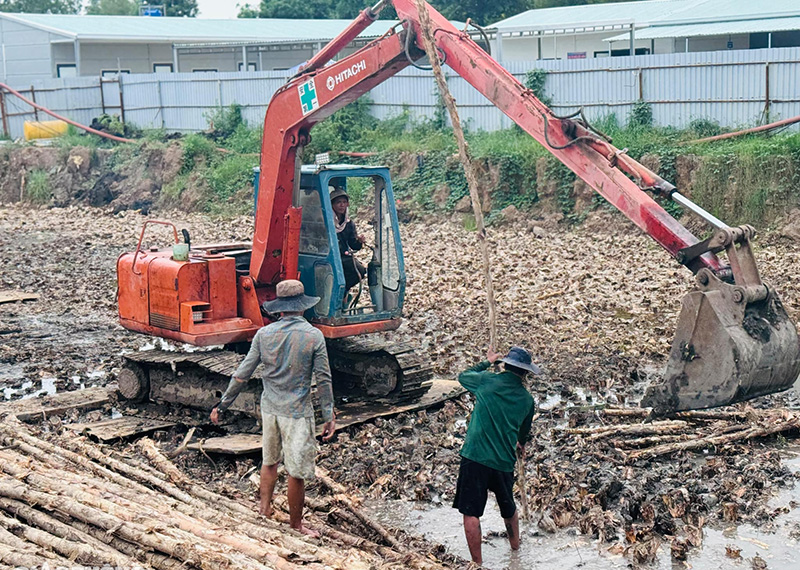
{"type": "Point", "coordinates": [308, 96]}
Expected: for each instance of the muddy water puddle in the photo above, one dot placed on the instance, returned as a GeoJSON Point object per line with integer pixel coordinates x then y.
{"type": "Point", "coordinates": [777, 543]}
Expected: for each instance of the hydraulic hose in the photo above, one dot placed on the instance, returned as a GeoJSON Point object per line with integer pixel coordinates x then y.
{"type": "Point", "coordinates": [19, 95]}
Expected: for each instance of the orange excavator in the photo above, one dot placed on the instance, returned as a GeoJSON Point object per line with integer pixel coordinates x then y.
{"type": "Point", "coordinates": [734, 339]}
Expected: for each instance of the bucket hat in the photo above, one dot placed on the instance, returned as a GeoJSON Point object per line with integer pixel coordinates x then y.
{"type": "Point", "coordinates": [338, 193]}
{"type": "Point", "coordinates": [291, 298]}
{"type": "Point", "coordinates": [521, 358]}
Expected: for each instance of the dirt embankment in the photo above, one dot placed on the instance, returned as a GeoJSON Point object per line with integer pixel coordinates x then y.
{"type": "Point", "coordinates": [124, 178]}
{"type": "Point", "coordinates": [144, 177]}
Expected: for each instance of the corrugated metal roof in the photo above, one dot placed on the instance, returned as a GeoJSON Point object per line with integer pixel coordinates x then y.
{"type": "Point", "coordinates": [650, 12]}
{"type": "Point", "coordinates": [713, 29]}
{"type": "Point", "coordinates": [594, 14]}
{"type": "Point", "coordinates": [188, 30]}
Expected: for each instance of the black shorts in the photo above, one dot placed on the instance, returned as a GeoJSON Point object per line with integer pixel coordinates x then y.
{"type": "Point", "coordinates": [474, 482]}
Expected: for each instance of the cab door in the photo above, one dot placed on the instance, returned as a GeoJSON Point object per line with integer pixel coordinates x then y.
{"type": "Point", "coordinates": [318, 261]}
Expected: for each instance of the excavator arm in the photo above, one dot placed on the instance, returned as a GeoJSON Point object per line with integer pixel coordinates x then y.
{"type": "Point", "coordinates": [734, 338]}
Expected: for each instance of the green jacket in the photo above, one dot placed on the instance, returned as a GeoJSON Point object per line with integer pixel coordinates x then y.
{"type": "Point", "coordinates": [502, 417]}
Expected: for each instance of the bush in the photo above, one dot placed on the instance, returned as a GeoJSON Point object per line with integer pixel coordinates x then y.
{"type": "Point", "coordinates": [641, 115]}
{"type": "Point", "coordinates": [231, 175]}
{"type": "Point", "coordinates": [224, 121]}
{"type": "Point", "coordinates": [344, 129]}
{"type": "Point", "coordinates": [245, 140]}
{"type": "Point", "coordinates": [196, 149]}
{"type": "Point", "coordinates": [703, 128]}
{"type": "Point", "coordinates": [535, 80]}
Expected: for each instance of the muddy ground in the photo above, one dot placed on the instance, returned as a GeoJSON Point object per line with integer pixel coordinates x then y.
{"type": "Point", "coordinates": [596, 305]}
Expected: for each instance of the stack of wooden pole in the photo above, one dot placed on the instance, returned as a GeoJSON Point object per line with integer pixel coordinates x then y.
{"type": "Point", "coordinates": [687, 431]}
{"type": "Point", "coordinates": [75, 502]}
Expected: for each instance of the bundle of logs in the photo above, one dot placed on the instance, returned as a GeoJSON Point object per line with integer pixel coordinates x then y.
{"type": "Point", "coordinates": [687, 431]}
{"type": "Point", "coordinates": [73, 503]}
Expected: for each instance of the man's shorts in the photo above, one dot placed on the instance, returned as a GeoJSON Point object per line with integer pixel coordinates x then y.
{"type": "Point", "coordinates": [474, 482]}
{"type": "Point", "coordinates": [290, 439]}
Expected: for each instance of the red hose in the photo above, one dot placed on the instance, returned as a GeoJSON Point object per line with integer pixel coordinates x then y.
{"type": "Point", "coordinates": [66, 120]}
{"type": "Point", "coordinates": [768, 127]}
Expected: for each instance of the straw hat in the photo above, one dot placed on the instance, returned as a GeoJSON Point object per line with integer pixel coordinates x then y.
{"type": "Point", "coordinates": [291, 298]}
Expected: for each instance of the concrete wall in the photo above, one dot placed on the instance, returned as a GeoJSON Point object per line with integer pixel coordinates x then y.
{"type": "Point", "coordinates": [26, 52]}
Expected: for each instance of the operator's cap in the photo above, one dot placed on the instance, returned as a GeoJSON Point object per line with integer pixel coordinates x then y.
{"type": "Point", "coordinates": [338, 193]}
{"type": "Point", "coordinates": [521, 358]}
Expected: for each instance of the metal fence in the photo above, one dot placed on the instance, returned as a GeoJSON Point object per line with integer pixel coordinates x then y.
{"type": "Point", "coordinates": [733, 88]}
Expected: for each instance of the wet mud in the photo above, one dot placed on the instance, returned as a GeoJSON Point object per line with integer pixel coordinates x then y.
{"type": "Point", "coordinates": [596, 305]}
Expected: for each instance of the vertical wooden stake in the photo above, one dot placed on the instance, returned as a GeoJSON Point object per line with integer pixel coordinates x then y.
{"type": "Point", "coordinates": [466, 161]}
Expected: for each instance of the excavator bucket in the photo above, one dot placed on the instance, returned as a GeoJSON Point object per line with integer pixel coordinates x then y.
{"type": "Point", "coordinates": [733, 343]}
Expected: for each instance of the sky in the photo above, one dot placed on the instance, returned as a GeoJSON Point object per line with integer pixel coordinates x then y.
{"type": "Point", "coordinates": [221, 8]}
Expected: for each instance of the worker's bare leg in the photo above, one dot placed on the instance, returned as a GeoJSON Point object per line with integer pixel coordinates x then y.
{"type": "Point", "coordinates": [512, 529]}
{"type": "Point", "coordinates": [269, 476]}
{"type": "Point", "coordinates": [297, 497]}
{"type": "Point", "coordinates": [472, 529]}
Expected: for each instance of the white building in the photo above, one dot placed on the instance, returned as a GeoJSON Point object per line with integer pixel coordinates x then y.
{"type": "Point", "coordinates": [652, 26]}
{"type": "Point", "coordinates": [41, 46]}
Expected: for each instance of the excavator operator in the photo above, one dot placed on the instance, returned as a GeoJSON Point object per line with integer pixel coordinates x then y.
{"type": "Point", "coordinates": [349, 240]}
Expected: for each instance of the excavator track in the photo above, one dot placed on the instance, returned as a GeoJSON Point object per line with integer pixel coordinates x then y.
{"type": "Point", "coordinates": [197, 379]}
{"type": "Point", "coordinates": [378, 369]}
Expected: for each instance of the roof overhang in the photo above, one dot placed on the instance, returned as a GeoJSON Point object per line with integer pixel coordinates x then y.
{"type": "Point", "coordinates": [560, 30]}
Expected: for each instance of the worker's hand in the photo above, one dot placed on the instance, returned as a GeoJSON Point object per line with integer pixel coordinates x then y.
{"type": "Point", "coordinates": [361, 238]}
{"type": "Point", "coordinates": [520, 450]}
{"type": "Point", "coordinates": [329, 429]}
{"type": "Point", "coordinates": [215, 416]}
{"type": "Point", "coordinates": [493, 356]}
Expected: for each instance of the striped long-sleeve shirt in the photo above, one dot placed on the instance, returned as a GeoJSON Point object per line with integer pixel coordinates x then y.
{"type": "Point", "coordinates": [292, 352]}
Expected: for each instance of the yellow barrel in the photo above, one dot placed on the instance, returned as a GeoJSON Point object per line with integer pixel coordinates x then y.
{"type": "Point", "coordinates": [44, 129]}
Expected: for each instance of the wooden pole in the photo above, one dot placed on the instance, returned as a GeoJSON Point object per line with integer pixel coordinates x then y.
{"type": "Point", "coordinates": [466, 161]}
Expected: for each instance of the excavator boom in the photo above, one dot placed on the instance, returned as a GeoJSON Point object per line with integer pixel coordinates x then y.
{"type": "Point", "coordinates": [734, 339]}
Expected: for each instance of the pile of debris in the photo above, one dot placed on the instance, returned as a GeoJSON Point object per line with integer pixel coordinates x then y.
{"type": "Point", "coordinates": [73, 502]}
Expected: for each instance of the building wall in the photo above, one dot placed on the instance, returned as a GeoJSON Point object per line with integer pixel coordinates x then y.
{"type": "Point", "coordinates": [716, 43]}
{"type": "Point", "coordinates": [109, 57]}
{"type": "Point", "coordinates": [594, 45]}
{"type": "Point", "coordinates": [559, 47]}
{"type": "Point", "coordinates": [26, 52]}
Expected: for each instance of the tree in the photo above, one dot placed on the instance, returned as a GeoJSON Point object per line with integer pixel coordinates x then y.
{"type": "Point", "coordinates": [248, 11]}
{"type": "Point", "coordinates": [41, 6]}
{"type": "Point", "coordinates": [300, 9]}
{"type": "Point", "coordinates": [180, 8]}
{"type": "Point", "coordinates": [113, 7]}
{"type": "Point", "coordinates": [481, 12]}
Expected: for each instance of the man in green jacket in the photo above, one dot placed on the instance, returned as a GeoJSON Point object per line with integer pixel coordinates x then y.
{"type": "Point", "coordinates": [501, 422]}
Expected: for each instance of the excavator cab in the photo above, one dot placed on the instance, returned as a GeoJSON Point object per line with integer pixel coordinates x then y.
{"type": "Point", "coordinates": [321, 264]}
{"type": "Point", "coordinates": [379, 295]}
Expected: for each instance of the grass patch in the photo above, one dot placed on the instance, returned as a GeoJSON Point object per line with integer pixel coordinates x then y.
{"type": "Point", "coordinates": [37, 187]}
